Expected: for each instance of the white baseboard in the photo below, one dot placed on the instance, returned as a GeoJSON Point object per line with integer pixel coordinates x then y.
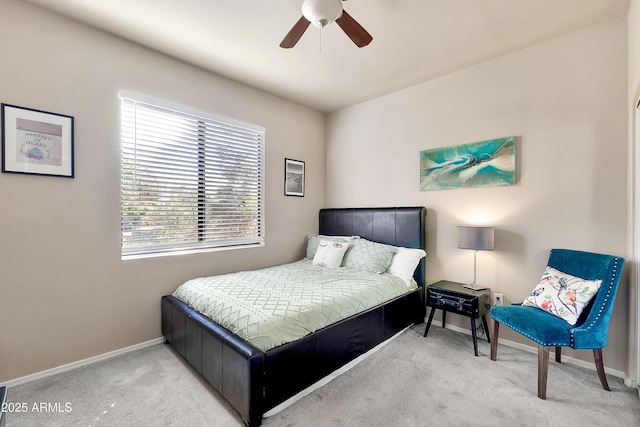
{"type": "Point", "coordinates": [79, 363]}
{"type": "Point", "coordinates": [534, 350]}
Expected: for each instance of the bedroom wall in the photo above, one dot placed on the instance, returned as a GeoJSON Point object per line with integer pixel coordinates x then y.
{"type": "Point", "coordinates": [634, 137]}
{"type": "Point", "coordinates": [634, 52]}
{"type": "Point", "coordinates": [566, 101]}
{"type": "Point", "coordinates": [65, 294]}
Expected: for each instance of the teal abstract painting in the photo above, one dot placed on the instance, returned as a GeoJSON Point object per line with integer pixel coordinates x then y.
{"type": "Point", "coordinates": [478, 164]}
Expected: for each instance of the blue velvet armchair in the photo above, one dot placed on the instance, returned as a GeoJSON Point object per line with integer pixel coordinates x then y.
{"type": "Point", "coordinates": [592, 328]}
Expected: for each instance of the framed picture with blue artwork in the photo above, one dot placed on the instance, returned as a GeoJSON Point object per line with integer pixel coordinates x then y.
{"type": "Point", "coordinates": [36, 142]}
{"type": "Point", "coordinates": [478, 164]}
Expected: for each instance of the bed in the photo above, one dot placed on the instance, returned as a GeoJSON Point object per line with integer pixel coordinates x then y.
{"type": "Point", "coordinates": [254, 381]}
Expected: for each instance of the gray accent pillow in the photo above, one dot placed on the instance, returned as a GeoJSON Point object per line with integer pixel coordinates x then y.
{"type": "Point", "coordinates": [368, 256]}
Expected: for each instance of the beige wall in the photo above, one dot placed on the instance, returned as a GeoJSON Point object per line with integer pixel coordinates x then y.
{"type": "Point", "coordinates": [634, 137]}
{"type": "Point", "coordinates": [65, 294]}
{"type": "Point", "coordinates": [566, 101]}
{"type": "Point", "coordinates": [634, 52]}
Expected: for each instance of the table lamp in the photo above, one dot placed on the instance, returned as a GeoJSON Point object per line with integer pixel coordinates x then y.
{"type": "Point", "coordinates": [477, 239]}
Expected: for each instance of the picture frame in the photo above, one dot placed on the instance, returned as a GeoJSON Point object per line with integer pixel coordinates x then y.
{"type": "Point", "coordinates": [37, 142]}
{"type": "Point", "coordinates": [487, 163]}
{"type": "Point", "coordinates": [294, 177]}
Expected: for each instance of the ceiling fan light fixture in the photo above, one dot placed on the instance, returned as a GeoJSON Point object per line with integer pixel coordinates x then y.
{"type": "Point", "coordinates": [322, 12]}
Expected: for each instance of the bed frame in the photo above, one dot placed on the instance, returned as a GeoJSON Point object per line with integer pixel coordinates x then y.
{"type": "Point", "coordinates": [254, 381]}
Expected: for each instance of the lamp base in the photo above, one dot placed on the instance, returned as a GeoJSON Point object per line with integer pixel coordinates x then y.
{"type": "Point", "coordinates": [473, 287]}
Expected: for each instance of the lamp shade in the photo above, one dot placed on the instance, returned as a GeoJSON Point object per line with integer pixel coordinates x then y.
{"type": "Point", "coordinates": [476, 238]}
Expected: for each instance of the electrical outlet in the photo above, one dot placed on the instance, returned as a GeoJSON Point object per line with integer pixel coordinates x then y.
{"type": "Point", "coordinates": [498, 299]}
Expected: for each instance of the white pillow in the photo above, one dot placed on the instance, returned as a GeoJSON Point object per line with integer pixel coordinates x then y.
{"type": "Point", "coordinates": [330, 253]}
{"type": "Point", "coordinates": [562, 294]}
{"type": "Point", "coordinates": [404, 263]}
{"type": "Point", "coordinates": [314, 240]}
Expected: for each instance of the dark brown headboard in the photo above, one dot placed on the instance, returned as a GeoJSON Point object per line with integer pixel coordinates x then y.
{"type": "Point", "coordinates": [403, 226]}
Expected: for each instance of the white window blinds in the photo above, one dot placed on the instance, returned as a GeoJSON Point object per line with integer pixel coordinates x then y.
{"type": "Point", "coordinates": [190, 180]}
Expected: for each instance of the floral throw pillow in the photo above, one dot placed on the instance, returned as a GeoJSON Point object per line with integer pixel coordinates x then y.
{"type": "Point", "coordinates": [562, 294]}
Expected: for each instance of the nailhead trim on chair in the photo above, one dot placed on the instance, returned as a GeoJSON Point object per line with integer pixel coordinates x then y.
{"type": "Point", "coordinates": [606, 298]}
{"type": "Point", "coordinates": [532, 339]}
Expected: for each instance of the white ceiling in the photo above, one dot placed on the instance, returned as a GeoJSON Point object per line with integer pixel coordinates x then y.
{"type": "Point", "coordinates": [413, 40]}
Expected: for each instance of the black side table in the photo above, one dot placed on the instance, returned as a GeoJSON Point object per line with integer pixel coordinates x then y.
{"type": "Point", "coordinates": [454, 297]}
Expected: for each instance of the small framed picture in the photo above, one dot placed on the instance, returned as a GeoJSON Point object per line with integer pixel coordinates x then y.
{"type": "Point", "coordinates": [293, 178]}
{"type": "Point", "coordinates": [36, 142]}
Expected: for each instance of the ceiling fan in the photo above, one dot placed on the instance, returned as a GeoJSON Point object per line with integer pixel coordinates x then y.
{"type": "Point", "coordinates": [322, 13]}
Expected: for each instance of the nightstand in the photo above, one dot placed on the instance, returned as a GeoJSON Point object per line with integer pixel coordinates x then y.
{"type": "Point", "coordinates": [455, 298]}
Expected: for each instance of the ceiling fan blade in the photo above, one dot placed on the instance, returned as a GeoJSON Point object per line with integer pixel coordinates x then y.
{"type": "Point", "coordinates": [295, 34]}
{"type": "Point", "coordinates": [355, 31]}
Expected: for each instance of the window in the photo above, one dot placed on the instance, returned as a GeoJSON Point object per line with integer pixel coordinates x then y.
{"type": "Point", "coordinates": [190, 180]}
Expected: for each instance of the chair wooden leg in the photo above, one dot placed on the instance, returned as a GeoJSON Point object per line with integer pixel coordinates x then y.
{"type": "Point", "coordinates": [559, 354]}
{"type": "Point", "coordinates": [543, 369]}
{"type": "Point", "coordinates": [597, 355]}
{"type": "Point", "coordinates": [494, 343]}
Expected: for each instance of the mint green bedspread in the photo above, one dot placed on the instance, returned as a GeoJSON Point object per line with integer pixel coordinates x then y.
{"type": "Point", "coordinates": [277, 305]}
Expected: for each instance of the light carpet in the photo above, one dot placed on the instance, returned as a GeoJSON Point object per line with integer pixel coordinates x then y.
{"type": "Point", "coordinates": [412, 381]}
